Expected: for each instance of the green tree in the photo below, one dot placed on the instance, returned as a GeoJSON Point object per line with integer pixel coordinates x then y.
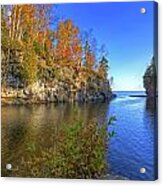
{"type": "Point", "coordinates": [29, 66]}
{"type": "Point", "coordinates": [103, 69]}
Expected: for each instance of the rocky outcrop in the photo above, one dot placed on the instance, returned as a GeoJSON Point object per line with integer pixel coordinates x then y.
{"type": "Point", "coordinates": [51, 89]}
{"type": "Point", "coordinates": [150, 79]}
{"type": "Point", "coordinates": [54, 92]}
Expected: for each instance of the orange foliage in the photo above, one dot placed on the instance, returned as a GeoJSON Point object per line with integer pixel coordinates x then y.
{"type": "Point", "coordinates": [68, 42]}
{"type": "Point", "coordinates": [90, 59]}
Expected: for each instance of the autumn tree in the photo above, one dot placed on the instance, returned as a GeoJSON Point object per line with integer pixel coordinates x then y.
{"type": "Point", "coordinates": [43, 52]}
{"type": "Point", "coordinates": [27, 29]}
{"type": "Point", "coordinates": [4, 48]}
{"type": "Point", "coordinates": [68, 48]}
{"type": "Point", "coordinates": [19, 23]}
{"type": "Point", "coordinates": [89, 64]}
{"type": "Point", "coordinates": [89, 56]}
{"type": "Point", "coordinates": [68, 43]}
{"type": "Point", "coordinates": [45, 36]}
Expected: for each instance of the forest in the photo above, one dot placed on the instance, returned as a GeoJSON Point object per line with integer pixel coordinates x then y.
{"type": "Point", "coordinates": [45, 58]}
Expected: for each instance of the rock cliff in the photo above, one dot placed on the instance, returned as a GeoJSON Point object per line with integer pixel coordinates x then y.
{"type": "Point", "coordinates": [150, 79]}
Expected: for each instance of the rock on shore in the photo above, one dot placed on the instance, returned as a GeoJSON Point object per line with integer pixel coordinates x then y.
{"type": "Point", "coordinates": [59, 92]}
{"type": "Point", "coordinates": [150, 80]}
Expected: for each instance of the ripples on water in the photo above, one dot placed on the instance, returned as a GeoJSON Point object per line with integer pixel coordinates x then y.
{"type": "Point", "coordinates": [131, 148]}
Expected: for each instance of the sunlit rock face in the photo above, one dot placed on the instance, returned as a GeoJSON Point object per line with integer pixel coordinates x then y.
{"type": "Point", "coordinates": [150, 79]}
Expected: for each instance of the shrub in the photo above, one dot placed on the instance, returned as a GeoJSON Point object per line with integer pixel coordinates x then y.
{"type": "Point", "coordinates": [78, 152]}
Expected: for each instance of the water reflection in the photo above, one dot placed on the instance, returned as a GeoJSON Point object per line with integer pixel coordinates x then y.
{"type": "Point", "coordinates": [36, 127]}
{"type": "Point", "coordinates": [16, 135]}
{"type": "Point", "coordinates": [151, 105]}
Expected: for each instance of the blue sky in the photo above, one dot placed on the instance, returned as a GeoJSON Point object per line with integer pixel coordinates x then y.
{"type": "Point", "coordinates": [127, 34]}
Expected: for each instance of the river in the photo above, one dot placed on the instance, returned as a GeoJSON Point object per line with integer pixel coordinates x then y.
{"type": "Point", "coordinates": [129, 150]}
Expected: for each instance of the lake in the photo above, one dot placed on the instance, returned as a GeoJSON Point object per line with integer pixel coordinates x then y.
{"type": "Point", "coordinates": [133, 146]}
{"type": "Point", "coordinates": [129, 150]}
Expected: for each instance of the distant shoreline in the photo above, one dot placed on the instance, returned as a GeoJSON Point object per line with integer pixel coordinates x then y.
{"type": "Point", "coordinates": [138, 96]}
{"type": "Point", "coordinates": [142, 96]}
{"type": "Point", "coordinates": [133, 93]}
{"type": "Point", "coordinates": [129, 91]}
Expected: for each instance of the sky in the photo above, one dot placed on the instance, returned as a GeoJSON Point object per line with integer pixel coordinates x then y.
{"type": "Point", "coordinates": [126, 33]}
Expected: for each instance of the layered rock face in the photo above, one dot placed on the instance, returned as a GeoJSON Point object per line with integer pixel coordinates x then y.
{"type": "Point", "coordinates": [52, 90]}
{"type": "Point", "coordinates": [58, 92]}
{"type": "Point", "coordinates": [150, 80]}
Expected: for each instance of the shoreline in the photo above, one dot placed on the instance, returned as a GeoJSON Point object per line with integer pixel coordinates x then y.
{"type": "Point", "coordinates": [143, 96]}
{"type": "Point", "coordinates": [5, 101]}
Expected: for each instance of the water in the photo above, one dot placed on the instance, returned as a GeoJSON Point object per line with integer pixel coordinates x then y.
{"type": "Point", "coordinates": [130, 149]}
{"type": "Point", "coordinates": [133, 146]}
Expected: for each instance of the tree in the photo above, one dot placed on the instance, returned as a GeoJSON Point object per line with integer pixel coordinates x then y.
{"type": "Point", "coordinates": [48, 52]}
{"type": "Point", "coordinates": [68, 49]}
{"type": "Point", "coordinates": [89, 56]}
{"type": "Point", "coordinates": [68, 43]}
{"type": "Point", "coordinates": [103, 69]}
{"type": "Point", "coordinates": [29, 66]}
{"type": "Point", "coordinates": [22, 26]}
{"type": "Point", "coordinates": [4, 48]}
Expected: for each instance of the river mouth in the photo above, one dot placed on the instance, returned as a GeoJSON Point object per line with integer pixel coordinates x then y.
{"type": "Point", "coordinates": [128, 151]}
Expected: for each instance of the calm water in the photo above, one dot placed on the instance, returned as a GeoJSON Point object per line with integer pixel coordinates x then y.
{"type": "Point", "coordinates": [131, 148]}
